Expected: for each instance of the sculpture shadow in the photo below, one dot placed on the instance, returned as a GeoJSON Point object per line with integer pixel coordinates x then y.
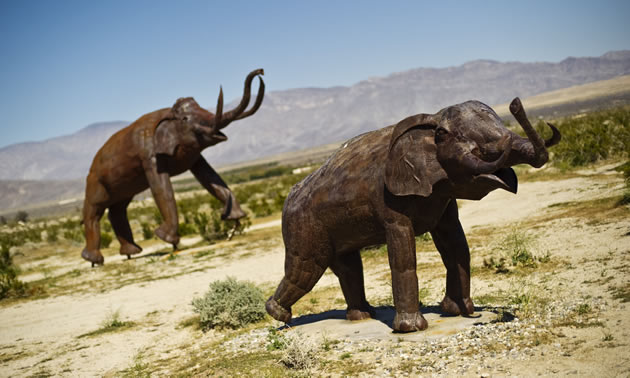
{"type": "Point", "coordinates": [152, 254]}
{"type": "Point", "coordinates": [384, 314]}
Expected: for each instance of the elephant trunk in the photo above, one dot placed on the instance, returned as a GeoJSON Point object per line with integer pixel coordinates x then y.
{"type": "Point", "coordinates": [222, 120]}
{"type": "Point", "coordinates": [533, 149]}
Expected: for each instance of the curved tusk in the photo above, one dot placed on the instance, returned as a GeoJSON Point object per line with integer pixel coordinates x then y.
{"type": "Point", "coordinates": [219, 112]}
{"type": "Point", "coordinates": [555, 138]}
{"type": "Point", "coordinates": [476, 165]}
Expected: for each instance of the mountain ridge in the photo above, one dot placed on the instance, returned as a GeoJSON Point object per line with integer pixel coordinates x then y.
{"type": "Point", "coordinates": [307, 117]}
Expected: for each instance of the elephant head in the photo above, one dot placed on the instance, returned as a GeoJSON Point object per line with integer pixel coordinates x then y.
{"type": "Point", "coordinates": [187, 123]}
{"type": "Point", "coordinates": [464, 146]}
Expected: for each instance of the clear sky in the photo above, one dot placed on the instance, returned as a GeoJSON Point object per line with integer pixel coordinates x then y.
{"type": "Point", "coordinates": [66, 64]}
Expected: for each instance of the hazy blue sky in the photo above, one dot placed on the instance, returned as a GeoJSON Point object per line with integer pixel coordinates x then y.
{"type": "Point", "coordinates": [66, 64]}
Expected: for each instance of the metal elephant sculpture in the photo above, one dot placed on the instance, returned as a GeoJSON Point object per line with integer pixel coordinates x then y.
{"type": "Point", "coordinates": [390, 185]}
{"type": "Point", "coordinates": [145, 154]}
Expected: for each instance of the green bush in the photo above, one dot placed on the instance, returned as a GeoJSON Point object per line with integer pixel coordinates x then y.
{"type": "Point", "coordinates": [230, 304]}
{"type": "Point", "coordinates": [9, 283]}
{"type": "Point", "coordinates": [516, 249]}
{"type": "Point", "coordinates": [106, 225]}
{"type": "Point", "coordinates": [256, 172]}
{"type": "Point", "coordinates": [185, 229]}
{"type": "Point", "coordinates": [21, 216]}
{"type": "Point", "coordinates": [147, 230]}
{"type": "Point", "coordinates": [259, 207]}
{"type": "Point", "coordinates": [518, 246]}
{"type": "Point", "coordinates": [106, 239]}
{"type": "Point", "coordinates": [52, 233]}
{"type": "Point", "coordinates": [625, 168]}
{"type": "Point", "coordinates": [591, 137]}
{"type": "Point", "coordinates": [73, 235]}
{"type": "Point", "coordinates": [212, 228]}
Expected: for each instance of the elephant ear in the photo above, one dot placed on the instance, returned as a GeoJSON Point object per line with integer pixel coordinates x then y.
{"type": "Point", "coordinates": [166, 137]}
{"type": "Point", "coordinates": [168, 133]}
{"type": "Point", "coordinates": [412, 167]}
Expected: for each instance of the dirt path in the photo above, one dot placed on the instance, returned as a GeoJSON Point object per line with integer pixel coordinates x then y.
{"type": "Point", "coordinates": [47, 336]}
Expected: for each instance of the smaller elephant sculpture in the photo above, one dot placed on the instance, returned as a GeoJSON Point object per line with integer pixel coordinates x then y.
{"type": "Point", "coordinates": [390, 185]}
{"type": "Point", "coordinates": [145, 154]}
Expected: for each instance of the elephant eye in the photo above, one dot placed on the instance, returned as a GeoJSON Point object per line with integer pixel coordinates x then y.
{"type": "Point", "coordinates": [440, 134]}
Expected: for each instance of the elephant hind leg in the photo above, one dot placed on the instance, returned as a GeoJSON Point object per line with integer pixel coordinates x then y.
{"type": "Point", "coordinates": [349, 269]}
{"type": "Point", "coordinates": [120, 223]}
{"type": "Point", "coordinates": [93, 209]}
{"type": "Point", "coordinates": [301, 274]}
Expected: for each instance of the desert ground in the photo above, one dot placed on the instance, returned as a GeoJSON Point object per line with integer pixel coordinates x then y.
{"type": "Point", "coordinates": [561, 310]}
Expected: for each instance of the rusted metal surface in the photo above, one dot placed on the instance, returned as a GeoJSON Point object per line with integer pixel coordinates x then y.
{"type": "Point", "coordinates": [145, 154]}
{"type": "Point", "coordinates": [390, 185]}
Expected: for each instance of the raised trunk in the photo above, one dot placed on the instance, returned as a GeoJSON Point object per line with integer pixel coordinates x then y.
{"type": "Point", "coordinates": [237, 113]}
{"type": "Point", "coordinates": [533, 149]}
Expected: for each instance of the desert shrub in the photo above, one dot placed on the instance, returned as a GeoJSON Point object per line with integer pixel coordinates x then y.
{"type": "Point", "coordinates": [147, 230]}
{"type": "Point", "coordinates": [106, 239]}
{"type": "Point", "coordinates": [112, 320]}
{"type": "Point", "coordinates": [3, 220]}
{"type": "Point", "coordinates": [256, 172]}
{"type": "Point", "coordinates": [186, 228]}
{"type": "Point", "coordinates": [516, 249]}
{"type": "Point", "coordinates": [74, 234]}
{"type": "Point", "coordinates": [157, 216]}
{"type": "Point", "coordinates": [9, 283]}
{"type": "Point", "coordinates": [591, 137]}
{"type": "Point", "coordinates": [21, 216]}
{"type": "Point", "coordinates": [259, 207]}
{"type": "Point", "coordinates": [625, 168]}
{"type": "Point", "coordinates": [106, 225]}
{"type": "Point", "coordinates": [212, 228]}
{"type": "Point", "coordinates": [33, 234]}
{"type": "Point", "coordinates": [72, 230]}
{"type": "Point", "coordinates": [299, 353]}
{"type": "Point", "coordinates": [267, 196]}
{"type": "Point", "coordinates": [275, 339]}
{"type": "Point", "coordinates": [20, 235]}
{"type": "Point", "coordinates": [111, 323]}
{"type": "Point", "coordinates": [230, 304]}
{"type": "Point", "coordinates": [52, 233]}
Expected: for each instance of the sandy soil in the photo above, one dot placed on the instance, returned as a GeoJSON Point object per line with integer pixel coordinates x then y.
{"type": "Point", "coordinates": [47, 336]}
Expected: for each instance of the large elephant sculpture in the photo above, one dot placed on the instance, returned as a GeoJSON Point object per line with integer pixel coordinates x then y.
{"type": "Point", "coordinates": [390, 185]}
{"type": "Point", "coordinates": [145, 154]}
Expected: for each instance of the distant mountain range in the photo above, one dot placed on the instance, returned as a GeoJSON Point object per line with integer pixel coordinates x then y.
{"type": "Point", "coordinates": [300, 118]}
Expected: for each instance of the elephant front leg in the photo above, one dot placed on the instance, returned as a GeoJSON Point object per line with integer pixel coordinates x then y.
{"type": "Point", "coordinates": [401, 250]}
{"type": "Point", "coordinates": [450, 240]}
{"type": "Point", "coordinates": [215, 185]}
{"type": "Point", "coordinates": [162, 190]}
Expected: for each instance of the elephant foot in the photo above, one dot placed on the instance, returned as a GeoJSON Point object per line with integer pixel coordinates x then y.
{"type": "Point", "coordinates": [167, 235]}
{"type": "Point", "coordinates": [94, 257]}
{"type": "Point", "coordinates": [235, 214]}
{"type": "Point", "coordinates": [409, 322]}
{"type": "Point", "coordinates": [365, 312]}
{"type": "Point", "coordinates": [277, 312]}
{"type": "Point", "coordinates": [129, 249]}
{"type": "Point", "coordinates": [462, 307]}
